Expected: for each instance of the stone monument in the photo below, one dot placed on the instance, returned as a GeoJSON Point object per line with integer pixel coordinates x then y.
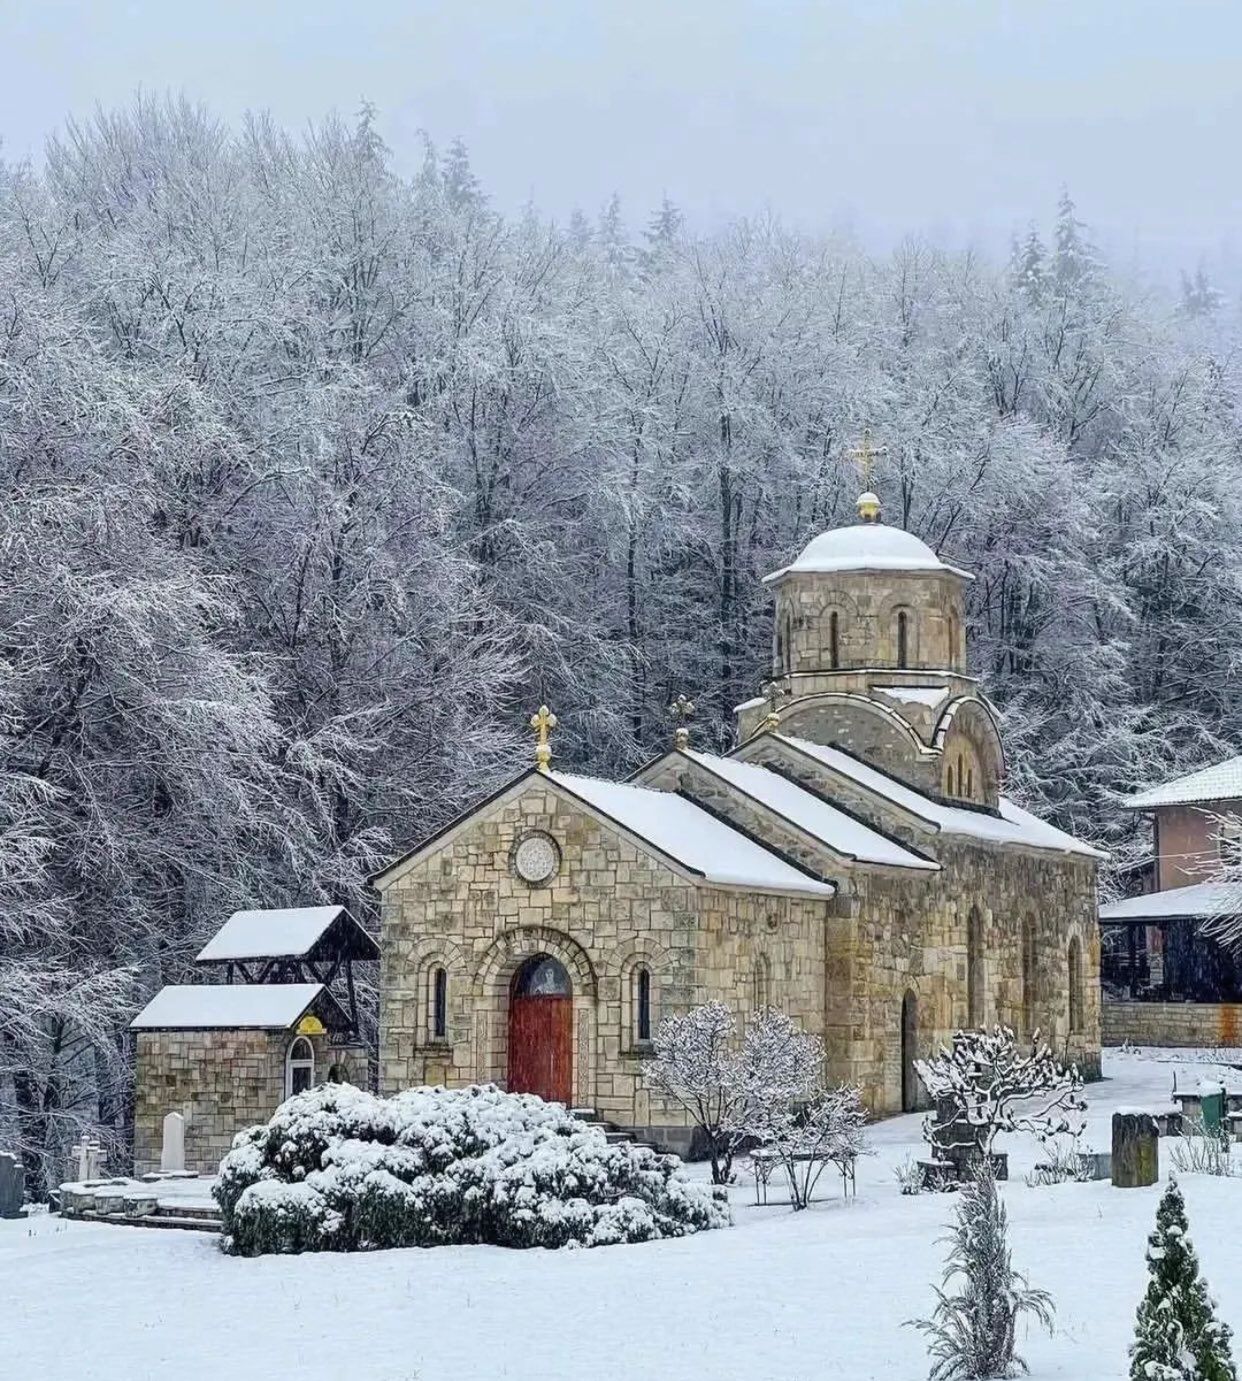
{"type": "Point", "coordinates": [1136, 1150]}
{"type": "Point", "coordinates": [12, 1186]}
{"type": "Point", "coordinates": [172, 1153]}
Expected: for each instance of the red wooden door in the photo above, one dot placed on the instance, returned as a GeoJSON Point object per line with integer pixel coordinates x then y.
{"type": "Point", "coordinates": [541, 1047]}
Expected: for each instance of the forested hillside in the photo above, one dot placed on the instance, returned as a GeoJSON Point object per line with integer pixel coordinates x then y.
{"type": "Point", "coordinates": [317, 480]}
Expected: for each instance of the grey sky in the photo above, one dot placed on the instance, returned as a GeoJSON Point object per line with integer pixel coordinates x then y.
{"type": "Point", "coordinates": [960, 119]}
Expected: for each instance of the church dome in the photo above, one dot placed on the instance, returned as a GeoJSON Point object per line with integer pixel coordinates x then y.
{"type": "Point", "coordinates": [865, 547]}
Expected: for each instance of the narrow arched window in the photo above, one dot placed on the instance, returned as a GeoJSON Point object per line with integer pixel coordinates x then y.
{"type": "Point", "coordinates": [439, 1004]}
{"type": "Point", "coordinates": [976, 985]}
{"type": "Point", "coordinates": [761, 984]}
{"type": "Point", "coordinates": [1075, 985]}
{"type": "Point", "coordinates": [299, 1067]}
{"type": "Point", "coordinates": [1028, 975]}
{"type": "Point", "coordinates": [789, 647]}
{"type": "Point", "coordinates": [903, 639]}
{"type": "Point", "coordinates": [642, 1006]}
{"type": "Point", "coordinates": [834, 641]}
{"type": "Point", "coordinates": [952, 641]}
{"type": "Point", "coordinates": [970, 783]}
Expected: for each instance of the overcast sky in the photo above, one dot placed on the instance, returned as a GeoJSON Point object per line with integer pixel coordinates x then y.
{"type": "Point", "coordinates": [960, 119]}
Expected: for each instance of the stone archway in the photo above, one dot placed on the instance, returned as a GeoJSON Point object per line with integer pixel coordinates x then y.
{"type": "Point", "coordinates": [496, 980]}
{"type": "Point", "coordinates": [909, 1052]}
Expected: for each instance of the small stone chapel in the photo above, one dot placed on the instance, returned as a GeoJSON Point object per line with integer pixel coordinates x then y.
{"type": "Point", "coordinates": [852, 861]}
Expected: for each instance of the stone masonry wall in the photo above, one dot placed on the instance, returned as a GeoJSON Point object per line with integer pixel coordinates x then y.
{"type": "Point", "coordinates": [220, 1082]}
{"type": "Point", "coordinates": [1186, 1024]}
{"type": "Point", "coordinates": [610, 908]}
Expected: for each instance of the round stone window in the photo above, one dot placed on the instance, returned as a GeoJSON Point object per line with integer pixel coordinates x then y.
{"type": "Point", "coordinates": [536, 858]}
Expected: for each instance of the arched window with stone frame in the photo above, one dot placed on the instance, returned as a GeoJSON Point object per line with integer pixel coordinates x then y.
{"type": "Point", "coordinates": [1029, 975]}
{"type": "Point", "coordinates": [761, 984]}
{"type": "Point", "coordinates": [903, 638]}
{"type": "Point", "coordinates": [976, 979]}
{"type": "Point", "coordinates": [299, 1066]}
{"type": "Point", "coordinates": [642, 1005]}
{"type": "Point", "coordinates": [834, 640]}
{"type": "Point", "coordinates": [1076, 995]}
{"type": "Point", "coordinates": [437, 1003]}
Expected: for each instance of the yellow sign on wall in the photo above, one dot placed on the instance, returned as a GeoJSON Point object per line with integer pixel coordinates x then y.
{"type": "Point", "coordinates": [310, 1025]}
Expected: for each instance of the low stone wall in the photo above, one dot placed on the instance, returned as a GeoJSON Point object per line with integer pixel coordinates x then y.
{"type": "Point", "coordinates": [1188, 1024]}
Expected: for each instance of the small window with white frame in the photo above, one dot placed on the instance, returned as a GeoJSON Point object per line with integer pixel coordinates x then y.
{"type": "Point", "coordinates": [299, 1067]}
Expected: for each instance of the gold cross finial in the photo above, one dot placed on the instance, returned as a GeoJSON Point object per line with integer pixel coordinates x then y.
{"type": "Point", "coordinates": [774, 692]}
{"type": "Point", "coordinates": [543, 722]}
{"type": "Point", "coordinates": [865, 455]}
{"type": "Point", "coordinates": [682, 711]}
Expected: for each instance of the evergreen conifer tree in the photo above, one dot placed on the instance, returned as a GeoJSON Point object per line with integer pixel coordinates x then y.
{"type": "Point", "coordinates": [1178, 1336]}
{"type": "Point", "coordinates": [972, 1332]}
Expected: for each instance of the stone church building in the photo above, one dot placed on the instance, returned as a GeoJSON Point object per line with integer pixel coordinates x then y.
{"type": "Point", "coordinates": [852, 861]}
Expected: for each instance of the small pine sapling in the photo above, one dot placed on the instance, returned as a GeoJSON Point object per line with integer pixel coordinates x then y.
{"type": "Point", "coordinates": [973, 1331]}
{"type": "Point", "coordinates": [1177, 1334]}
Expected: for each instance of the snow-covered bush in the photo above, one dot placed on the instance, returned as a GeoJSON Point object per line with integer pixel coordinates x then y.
{"type": "Point", "coordinates": [972, 1332]}
{"type": "Point", "coordinates": [1177, 1334]}
{"type": "Point", "coordinates": [337, 1169]}
{"type": "Point", "coordinates": [696, 1066]}
{"type": "Point", "coordinates": [984, 1084]}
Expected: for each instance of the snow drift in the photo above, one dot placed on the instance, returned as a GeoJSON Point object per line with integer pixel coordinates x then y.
{"type": "Point", "coordinates": [337, 1169]}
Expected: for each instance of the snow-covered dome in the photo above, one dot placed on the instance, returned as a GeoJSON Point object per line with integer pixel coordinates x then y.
{"type": "Point", "coordinates": [866, 547]}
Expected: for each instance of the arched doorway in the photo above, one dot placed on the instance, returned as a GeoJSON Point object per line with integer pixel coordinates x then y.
{"type": "Point", "coordinates": [909, 1052]}
{"type": "Point", "coordinates": [541, 1027]}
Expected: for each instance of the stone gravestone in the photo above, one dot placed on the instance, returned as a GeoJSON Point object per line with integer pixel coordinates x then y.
{"type": "Point", "coordinates": [1136, 1150]}
{"type": "Point", "coordinates": [12, 1186]}
{"type": "Point", "coordinates": [90, 1157]}
{"type": "Point", "coordinates": [172, 1153]}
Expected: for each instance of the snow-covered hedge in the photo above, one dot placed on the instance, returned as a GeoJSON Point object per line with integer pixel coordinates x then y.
{"type": "Point", "coordinates": [337, 1169]}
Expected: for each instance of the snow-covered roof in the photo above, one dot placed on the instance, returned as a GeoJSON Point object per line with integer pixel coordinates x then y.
{"type": "Point", "coordinates": [1012, 826]}
{"type": "Point", "coordinates": [865, 547]}
{"type": "Point", "coordinates": [690, 835]}
{"type": "Point", "coordinates": [803, 808]}
{"type": "Point", "coordinates": [931, 696]}
{"type": "Point", "coordinates": [1199, 901]}
{"type": "Point", "coordinates": [280, 933]}
{"type": "Point", "coordinates": [206, 1006]}
{"type": "Point", "coordinates": [1220, 782]}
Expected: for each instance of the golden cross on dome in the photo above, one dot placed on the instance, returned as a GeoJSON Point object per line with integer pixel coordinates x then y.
{"type": "Point", "coordinates": [774, 692]}
{"type": "Point", "coordinates": [865, 454]}
{"type": "Point", "coordinates": [682, 711]}
{"type": "Point", "coordinates": [543, 722]}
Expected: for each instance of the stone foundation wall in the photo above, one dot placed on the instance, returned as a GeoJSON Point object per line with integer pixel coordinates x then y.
{"type": "Point", "coordinates": [220, 1082]}
{"type": "Point", "coordinates": [1189, 1024]}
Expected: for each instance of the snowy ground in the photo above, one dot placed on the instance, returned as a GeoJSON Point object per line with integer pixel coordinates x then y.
{"type": "Point", "coordinates": [779, 1297]}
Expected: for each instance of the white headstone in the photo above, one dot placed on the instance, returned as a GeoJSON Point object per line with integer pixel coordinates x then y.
{"type": "Point", "coordinates": [89, 1156]}
{"type": "Point", "coordinates": [172, 1153]}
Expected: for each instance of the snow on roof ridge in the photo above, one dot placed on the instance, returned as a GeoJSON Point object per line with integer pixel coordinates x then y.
{"type": "Point", "coordinates": [1217, 781]}
{"type": "Point", "coordinates": [693, 836]}
{"type": "Point", "coordinates": [1011, 824]}
{"type": "Point", "coordinates": [204, 1006]}
{"type": "Point", "coordinates": [820, 818]}
{"type": "Point", "coordinates": [273, 933]}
